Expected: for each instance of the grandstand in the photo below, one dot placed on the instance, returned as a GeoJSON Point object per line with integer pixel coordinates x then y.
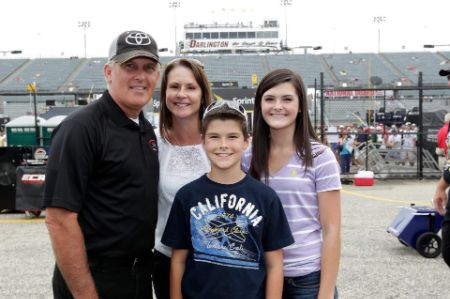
{"type": "Point", "coordinates": [308, 66]}
{"type": "Point", "coordinates": [49, 74]}
{"type": "Point", "coordinates": [67, 77]}
{"type": "Point", "coordinates": [69, 74]}
{"type": "Point", "coordinates": [8, 66]}
{"type": "Point", "coordinates": [88, 76]}
{"type": "Point", "coordinates": [356, 69]}
{"type": "Point", "coordinates": [240, 68]}
{"type": "Point", "coordinates": [410, 64]}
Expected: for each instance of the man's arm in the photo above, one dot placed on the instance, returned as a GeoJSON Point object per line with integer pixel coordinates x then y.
{"type": "Point", "coordinates": [440, 198]}
{"type": "Point", "coordinates": [274, 270]}
{"type": "Point", "coordinates": [177, 265]}
{"type": "Point", "coordinates": [70, 254]}
{"type": "Point", "coordinates": [330, 219]}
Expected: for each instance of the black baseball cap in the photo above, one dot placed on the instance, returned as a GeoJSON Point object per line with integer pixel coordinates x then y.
{"type": "Point", "coordinates": [444, 72]}
{"type": "Point", "coordinates": [132, 44]}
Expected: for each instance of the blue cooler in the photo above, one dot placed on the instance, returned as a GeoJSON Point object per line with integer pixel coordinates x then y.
{"type": "Point", "coordinates": [417, 227]}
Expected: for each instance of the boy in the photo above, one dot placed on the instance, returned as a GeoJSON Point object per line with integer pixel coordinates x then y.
{"type": "Point", "coordinates": [227, 230]}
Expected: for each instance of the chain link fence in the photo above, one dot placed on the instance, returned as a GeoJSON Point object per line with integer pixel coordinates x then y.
{"type": "Point", "coordinates": [390, 131]}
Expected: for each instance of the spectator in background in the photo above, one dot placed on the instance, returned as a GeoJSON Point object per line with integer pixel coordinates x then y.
{"type": "Point", "coordinates": [394, 140]}
{"type": "Point", "coordinates": [333, 139]}
{"type": "Point", "coordinates": [2, 138]}
{"type": "Point", "coordinates": [360, 141]}
{"type": "Point", "coordinates": [345, 152]}
{"type": "Point", "coordinates": [361, 137]}
{"type": "Point", "coordinates": [381, 142]}
{"type": "Point", "coordinates": [441, 149]}
{"type": "Point", "coordinates": [386, 134]}
{"type": "Point", "coordinates": [373, 137]}
{"type": "Point", "coordinates": [408, 153]}
{"type": "Point", "coordinates": [353, 130]}
{"type": "Point", "coordinates": [394, 144]}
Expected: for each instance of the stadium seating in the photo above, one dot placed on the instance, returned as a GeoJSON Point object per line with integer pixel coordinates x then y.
{"type": "Point", "coordinates": [357, 69]}
{"type": "Point", "coordinates": [90, 76]}
{"type": "Point", "coordinates": [410, 64]}
{"type": "Point", "coordinates": [8, 66]}
{"type": "Point", "coordinates": [48, 74]}
{"type": "Point", "coordinates": [308, 66]}
{"type": "Point", "coordinates": [65, 76]}
{"type": "Point", "coordinates": [238, 68]}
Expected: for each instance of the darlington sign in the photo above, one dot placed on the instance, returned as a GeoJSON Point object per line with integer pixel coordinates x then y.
{"type": "Point", "coordinates": [208, 44]}
{"type": "Point", "coordinates": [214, 44]}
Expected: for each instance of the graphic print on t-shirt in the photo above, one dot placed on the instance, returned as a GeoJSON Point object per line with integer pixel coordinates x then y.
{"type": "Point", "coordinates": [222, 231]}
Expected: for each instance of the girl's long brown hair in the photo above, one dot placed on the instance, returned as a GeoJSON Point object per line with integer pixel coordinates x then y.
{"type": "Point", "coordinates": [303, 133]}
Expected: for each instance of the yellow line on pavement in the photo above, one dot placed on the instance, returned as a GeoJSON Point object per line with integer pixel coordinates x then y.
{"type": "Point", "coordinates": [21, 220]}
{"type": "Point", "coordinates": [379, 198]}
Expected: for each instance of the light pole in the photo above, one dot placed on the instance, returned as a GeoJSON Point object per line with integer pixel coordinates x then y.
{"type": "Point", "coordinates": [84, 25]}
{"type": "Point", "coordinates": [11, 52]}
{"type": "Point", "coordinates": [379, 20]}
{"type": "Point", "coordinates": [286, 3]}
{"type": "Point", "coordinates": [175, 5]}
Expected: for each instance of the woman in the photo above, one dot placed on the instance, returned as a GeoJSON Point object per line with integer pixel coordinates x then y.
{"type": "Point", "coordinates": [287, 156]}
{"type": "Point", "coordinates": [345, 152]}
{"type": "Point", "coordinates": [185, 94]}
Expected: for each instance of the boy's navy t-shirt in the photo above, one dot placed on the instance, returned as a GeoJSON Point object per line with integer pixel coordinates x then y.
{"type": "Point", "coordinates": [227, 229]}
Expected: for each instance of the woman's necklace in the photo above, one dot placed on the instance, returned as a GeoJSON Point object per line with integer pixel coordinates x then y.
{"type": "Point", "coordinates": [175, 141]}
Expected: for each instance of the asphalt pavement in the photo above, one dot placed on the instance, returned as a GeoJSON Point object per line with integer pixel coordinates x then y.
{"type": "Point", "coordinates": [374, 264]}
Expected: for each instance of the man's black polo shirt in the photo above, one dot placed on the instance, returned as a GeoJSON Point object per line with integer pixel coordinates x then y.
{"type": "Point", "coordinates": [104, 166]}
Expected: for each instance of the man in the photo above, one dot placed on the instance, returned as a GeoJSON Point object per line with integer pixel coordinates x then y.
{"type": "Point", "coordinates": [102, 179]}
{"type": "Point", "coordinates": [394, 144]}
{"type": "Point", "coordinates": [409, 138]}
{"type": "Point", "coordinates": [440, 199]}
{"type": "Point", "coordinates": [441, 149]}
{"type": "Point", "coordinates": [441, 204]}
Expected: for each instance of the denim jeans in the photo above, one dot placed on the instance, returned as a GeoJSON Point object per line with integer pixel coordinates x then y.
{"type": "Point", "coordinates": [346, 159]}
{"type": "Point", "coordinates": [303, 287]}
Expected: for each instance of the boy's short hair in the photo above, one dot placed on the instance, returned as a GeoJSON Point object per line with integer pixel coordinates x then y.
{"type": "Point", "coordinates": [225, 110]}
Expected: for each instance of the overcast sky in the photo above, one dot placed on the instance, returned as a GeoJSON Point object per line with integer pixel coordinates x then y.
{"type": "Point", "coordinates": [47, 28]}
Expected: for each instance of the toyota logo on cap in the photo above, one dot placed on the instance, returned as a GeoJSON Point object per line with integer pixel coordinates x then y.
{"type": "Point", "coordinates": [138, 39]}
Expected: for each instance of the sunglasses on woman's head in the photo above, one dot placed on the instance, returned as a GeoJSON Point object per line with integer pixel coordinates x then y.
{"type": "Point", "coordinates": [230, 104]}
